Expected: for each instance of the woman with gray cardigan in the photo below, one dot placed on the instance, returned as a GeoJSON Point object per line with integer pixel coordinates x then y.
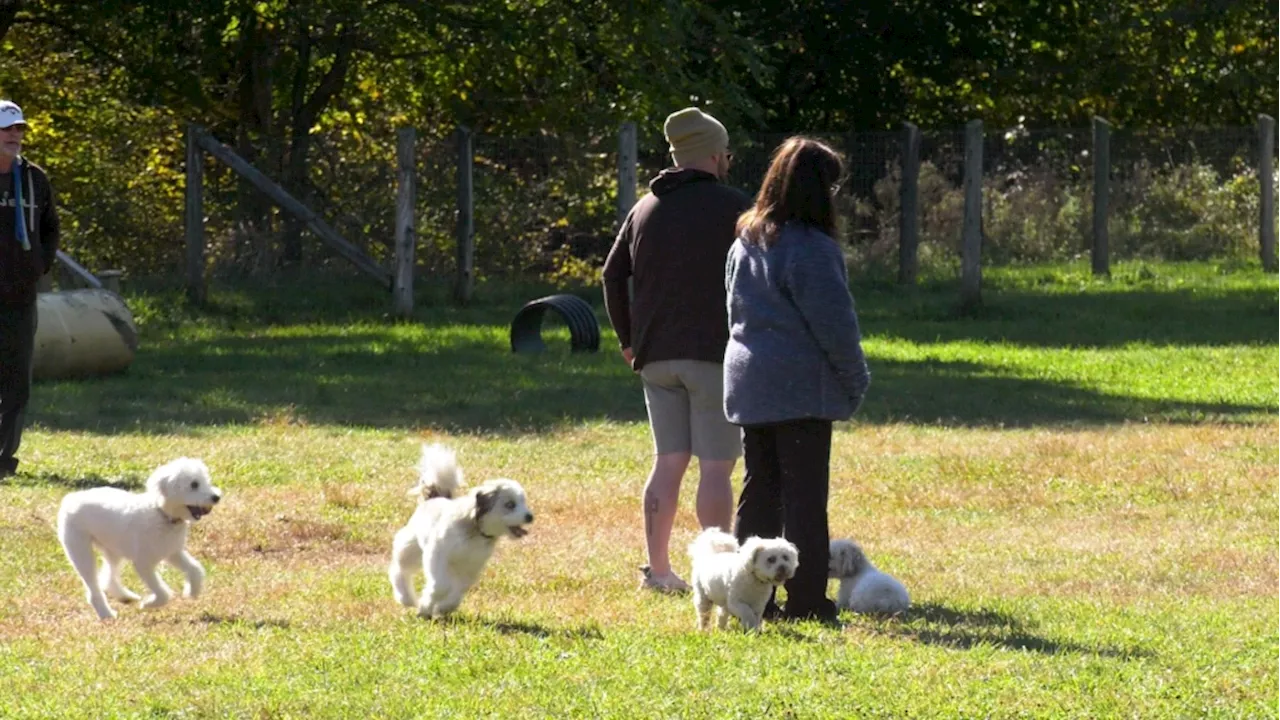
{"type": "Point", "coordinates": [794, 362]}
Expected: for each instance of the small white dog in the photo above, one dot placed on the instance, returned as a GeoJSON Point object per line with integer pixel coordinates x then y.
{"type": "Point", "coordinates": [863, 588]}
{"type": "Point", "coordinates": [145, 528]}
{"type": "Point", "coordinates": [451, 539]}
{"type": "Point", "coordinates": [738, 580]}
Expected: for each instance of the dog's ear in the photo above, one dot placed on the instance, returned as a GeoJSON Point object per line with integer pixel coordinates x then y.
{"type": "Point", "coordinates": [851, 558]}
{"type": "Point", "coordinates": [161, 480]}
{"type": "Point", "coordinates": [486, 498]}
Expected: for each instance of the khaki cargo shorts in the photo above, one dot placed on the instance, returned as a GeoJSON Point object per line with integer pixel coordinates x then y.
{"type": "Point", "coordinates": [686, 409]}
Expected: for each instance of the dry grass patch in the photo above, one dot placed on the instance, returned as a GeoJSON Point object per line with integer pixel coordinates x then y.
{"type": "Point", "coordinates": [1015, 545]}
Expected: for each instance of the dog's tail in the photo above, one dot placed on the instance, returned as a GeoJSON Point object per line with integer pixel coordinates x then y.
{"type": "Point", "coordinates": [438, 473]}
{"type": "Point", "coordinates": [712, 540]}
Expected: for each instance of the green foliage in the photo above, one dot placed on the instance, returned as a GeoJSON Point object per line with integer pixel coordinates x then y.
{"type": "Point", "coordinates": [312, 94]}
{"type": "Point", "coordinates": [115, 164]}
{"type": "Point", "coordinates": [1188, 212]}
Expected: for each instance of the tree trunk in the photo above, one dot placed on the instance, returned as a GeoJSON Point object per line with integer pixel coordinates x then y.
{"type": "Point", "coordinates": [295, 172]}
{"type": "Point", "coordinates": [253, 212]}
{"type": "Point", "coordinates": [305, 113]}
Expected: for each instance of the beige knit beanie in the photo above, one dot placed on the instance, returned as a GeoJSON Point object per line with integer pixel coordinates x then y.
{"type": "Point", "coordinates": [694, 135]}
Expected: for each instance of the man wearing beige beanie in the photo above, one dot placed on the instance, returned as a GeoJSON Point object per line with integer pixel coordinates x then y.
{"type": "Point", "coordinates": [672, 328]}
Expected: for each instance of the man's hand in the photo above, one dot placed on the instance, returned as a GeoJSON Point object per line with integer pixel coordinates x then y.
{"type": "Point", "coordinates": [628, 356]}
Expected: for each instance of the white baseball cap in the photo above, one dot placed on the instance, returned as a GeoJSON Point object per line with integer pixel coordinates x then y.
{"type": "Point", "coordinates": [10, 114]}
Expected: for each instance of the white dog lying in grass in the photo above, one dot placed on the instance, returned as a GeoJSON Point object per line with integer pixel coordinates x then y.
{"type": "Point", "coordinates": [144, 528]}
{"type": "Point", "coordinates": [863, 588]}
{"type": "Point", "coordinates": [736, 579]}
{"type": "Point", "coordinates": [451, 539]}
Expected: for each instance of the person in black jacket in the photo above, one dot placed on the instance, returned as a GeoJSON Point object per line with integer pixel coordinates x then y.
{"type": "Point", "coordinates": [672, 329]}
{"type": "Point", "coordinates": [28, 245]}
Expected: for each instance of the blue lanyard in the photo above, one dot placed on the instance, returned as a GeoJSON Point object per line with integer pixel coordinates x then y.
{"type": "Point", "coordinates": [21, 225]}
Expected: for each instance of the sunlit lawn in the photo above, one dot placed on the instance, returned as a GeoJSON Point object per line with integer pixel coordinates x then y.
{"type": "Point", "coordinates": [1078, 485]}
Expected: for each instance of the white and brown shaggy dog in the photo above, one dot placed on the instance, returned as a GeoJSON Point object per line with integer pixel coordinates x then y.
{"type": "Point", "coordinates": [145, 528]}
{"type": "Point", "coordinates": [863, 588]}
{"type": "Point", "coordinates": [451, 539]}
{"type": "Point", "coordinates": [738, 580]}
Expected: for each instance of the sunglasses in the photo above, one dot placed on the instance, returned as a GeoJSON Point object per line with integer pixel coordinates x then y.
{"type": "Point", "coordinates": [16, 127]}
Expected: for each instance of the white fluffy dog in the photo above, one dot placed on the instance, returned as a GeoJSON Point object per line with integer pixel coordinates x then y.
{"type": "Point", "coordinates": [145, 528]}
{"type": "Point", "coordinates": [738, 580]}
{"type": "Point", "coordinates": [451, 539]}
{"type": "Point", "coordinates": [863, 588]}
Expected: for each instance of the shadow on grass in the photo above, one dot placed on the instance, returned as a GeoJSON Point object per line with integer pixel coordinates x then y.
{"type": "Point", "coordinates": [935, 624]}
{"type": "Point", "coordinates": [1238, 316]}
{"type": "Point", "coordinates": [370, 378]}
{"type": "Point", "coordinates": [84, 482]}
{"type": "Point", "coordinates": [238, 621]}
{"type": "Point", "coordinates": [961, 393]}
{"type": "Point", "coordinates": [410, 380]}
{"type": "Point", "coordinates": [538, 630]}
{"type": "Point", "coordinates": [784, 629]}
{"type": "Point", "coordinates": [327, 354]}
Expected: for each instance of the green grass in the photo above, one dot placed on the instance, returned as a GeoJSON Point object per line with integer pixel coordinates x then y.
{"type": "Point", "coordinates": [1078, 484]}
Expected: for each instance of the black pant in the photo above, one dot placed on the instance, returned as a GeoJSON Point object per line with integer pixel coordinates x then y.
{"type": "Point", "coordinates": [785, 493]}
{"type": "Point", "coordinates": [17, 345]}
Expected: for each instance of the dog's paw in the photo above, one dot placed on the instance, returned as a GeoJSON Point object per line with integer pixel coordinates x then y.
{"type": "Point", "coordinates": [155, 601]}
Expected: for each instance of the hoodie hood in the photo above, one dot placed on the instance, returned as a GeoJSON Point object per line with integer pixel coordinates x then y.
{"type": "Point", "coordinates": [676, 177]}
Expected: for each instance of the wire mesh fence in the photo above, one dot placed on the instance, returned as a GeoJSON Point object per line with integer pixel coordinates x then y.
{"type": "Point", "coordinates": [546, 206]}
{"type": "Point", "coordinates": [1186, 194]}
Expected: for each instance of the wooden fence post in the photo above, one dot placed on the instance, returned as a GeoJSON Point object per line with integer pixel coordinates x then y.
{"type": "Point", "coordinates": [466, 217]}
{"type": "Point", "coordinates": [1267, 179]}
{"type": "Point", "coordinates": [971, 253]}
{"type": "Point", "coordinates": [406, 239]}
{"type": "Point", "coordinates": [909, 207]}
{"type": "Point", "coordinates": [1100, 252]}
{"type": "Point", "coordinates": [626, 169]}
{"type": "Point", "coordinates": [196, 291]}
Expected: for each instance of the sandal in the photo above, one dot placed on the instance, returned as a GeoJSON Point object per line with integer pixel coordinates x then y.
{"type": "Point", "coordinates": [670, 583]}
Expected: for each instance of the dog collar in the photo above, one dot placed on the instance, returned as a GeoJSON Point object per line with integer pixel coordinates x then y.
{"type": "Point", "coordinates": [172, 520]}
{"type": "Point", "coordinates": [482, 533]}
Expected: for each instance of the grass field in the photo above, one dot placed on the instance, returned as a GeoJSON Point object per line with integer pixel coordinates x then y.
{"type": "Point", "coordinates": [1078, 484]}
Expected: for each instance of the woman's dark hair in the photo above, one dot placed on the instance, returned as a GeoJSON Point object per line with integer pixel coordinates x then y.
{"type": "Point", "coordinates": [798, 186]}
